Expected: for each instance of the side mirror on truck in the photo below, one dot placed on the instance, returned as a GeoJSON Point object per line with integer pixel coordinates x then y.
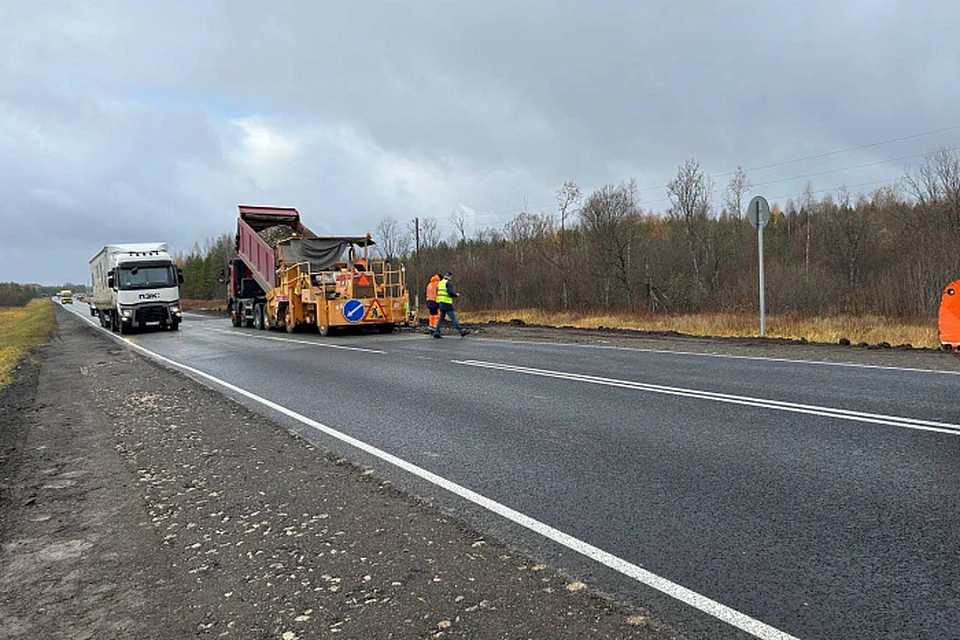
{"type": "Point", "coordinates": [179, 275]}
{"type": "Point", "coordinates": [110, 281]}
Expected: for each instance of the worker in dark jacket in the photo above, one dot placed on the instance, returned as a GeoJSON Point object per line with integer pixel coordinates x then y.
{"type": "Point", "coordinates": [445, 296]}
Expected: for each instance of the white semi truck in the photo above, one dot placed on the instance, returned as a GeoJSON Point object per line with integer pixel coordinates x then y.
{"type": "Point", "coordinates": [135, 285]}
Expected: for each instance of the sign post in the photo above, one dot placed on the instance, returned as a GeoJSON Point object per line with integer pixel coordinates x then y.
{"type": "Point", "coordinates": [758, 212]}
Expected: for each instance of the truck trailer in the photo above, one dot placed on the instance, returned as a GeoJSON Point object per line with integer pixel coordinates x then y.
{"type": "Point", "coordinates": [135, 285]}
{"type": "Point", "coordinates": [304, 280]}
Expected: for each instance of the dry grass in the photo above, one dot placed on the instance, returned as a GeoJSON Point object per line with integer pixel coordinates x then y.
{"type": "Point", "coordinates": [857, 329]}
{"type": "Point", "coordinates": [21, 329]}
{"type": "Point", "coordinates": [203, 305]}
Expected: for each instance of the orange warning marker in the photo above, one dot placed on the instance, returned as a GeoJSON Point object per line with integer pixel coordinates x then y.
{"type": "Point", "coordinates": [363, 279]}
{"type": "Point", "coordinates": [950, 317]}
{"type": "Point", "coordinates": [375, 312]}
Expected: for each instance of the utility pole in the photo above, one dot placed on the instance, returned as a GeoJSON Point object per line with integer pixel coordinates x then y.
{"type": "Point", "coordinates": [416, 235]}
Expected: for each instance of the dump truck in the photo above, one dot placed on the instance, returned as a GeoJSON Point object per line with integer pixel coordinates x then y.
{"type": "Point", "coordinates": [135, 285]}
{"type": "Point", "coordinates": [287, 277]}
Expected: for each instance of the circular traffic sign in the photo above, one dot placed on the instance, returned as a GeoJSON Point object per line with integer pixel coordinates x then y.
{"type": "Point", "coordinates": [758, 212]}
{"type": "Point", "coordinates": [353, 310]}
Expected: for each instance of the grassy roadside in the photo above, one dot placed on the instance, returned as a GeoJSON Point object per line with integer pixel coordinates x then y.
{"type": "Point", "coordinates": [21, 329]}
{"type": "Point", "coordinates": [856, 329]}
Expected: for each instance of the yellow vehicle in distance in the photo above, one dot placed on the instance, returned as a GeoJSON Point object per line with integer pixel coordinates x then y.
{"type": "Point", "coordinates": [66, 297]}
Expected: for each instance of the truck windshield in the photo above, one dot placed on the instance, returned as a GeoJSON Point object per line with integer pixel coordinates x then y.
{"type": "Point", "coordinates": [147, 277]}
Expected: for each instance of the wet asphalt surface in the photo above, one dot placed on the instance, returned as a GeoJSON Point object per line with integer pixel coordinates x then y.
{"type": "Point", "coordinates": [822, 526]}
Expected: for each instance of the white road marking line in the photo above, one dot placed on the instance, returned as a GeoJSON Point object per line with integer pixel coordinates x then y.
{"type": "Point", "coordinates": [853, 365]}
{"type": "Point", "coordinates": [831, 412]}
{"type": "Point", "coordinates": [295, 341]}
{"type": "Point", "coordinates": [722, 612]}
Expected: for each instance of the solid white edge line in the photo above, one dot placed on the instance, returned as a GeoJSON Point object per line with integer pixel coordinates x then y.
{"type": "Point", "coordinates": [687, 596]}
{"type": "Point", "coordinates": [842, 414]}
{"type": "Point", "coordinates": [854, 365]}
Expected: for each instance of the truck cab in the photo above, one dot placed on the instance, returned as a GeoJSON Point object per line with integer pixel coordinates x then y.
{"type": "Point", "coordinates": [136, 285]}
{"type": "Point", "coordinates": [66, 297]}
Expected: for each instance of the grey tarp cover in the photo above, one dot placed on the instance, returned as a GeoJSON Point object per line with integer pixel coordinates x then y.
{"type": "Point", "coordinates": [321, 253]}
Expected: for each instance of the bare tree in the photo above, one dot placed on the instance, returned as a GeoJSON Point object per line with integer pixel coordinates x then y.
{"type": "Point", "coordinates": [392, 241]}
{"type": "Point", "coordinates": [808, 206]}
{"type": "Point", "coordinates": [736, 190]}
{"type": "Point", "coordinates": [569, 199]}
{"type": "Point", "coordinates": [690, 196]}
{"type": "Point", "coordinates": [610, 216]}
{"type": "Point", "coordinates": [459, 220]}
{"type": "Point", "coordinates": [429, 232]}
{"type": "Point", "coordinates": [936, 185]}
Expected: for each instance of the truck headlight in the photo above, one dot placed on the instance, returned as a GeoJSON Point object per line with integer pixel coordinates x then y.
{"type": "Point", "coordinates": [125, 313]}
{"type": "Point", "coordinates": [175, 310]}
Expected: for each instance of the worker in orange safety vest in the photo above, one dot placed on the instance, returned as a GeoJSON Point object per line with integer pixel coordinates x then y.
{"type": "Point", "coordinates": [432, 306]}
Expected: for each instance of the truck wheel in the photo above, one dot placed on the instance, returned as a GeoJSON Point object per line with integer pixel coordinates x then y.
{"type": "Point", "coordinates": [123, 328]}
{"type": "Point", "coordinates": [387, 328]}
{"type": "Point", "coordinates": [234, 314]}
{"type": "Point", "coordinates": [258, 317]}
{"type": "Point", "coordinates": [174, 325]}
{"type": "Point", "coordinates": [245, 318]}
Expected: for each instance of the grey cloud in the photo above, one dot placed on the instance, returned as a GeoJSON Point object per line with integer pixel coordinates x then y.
{"type": "Point", "coordinates": [121, 118]}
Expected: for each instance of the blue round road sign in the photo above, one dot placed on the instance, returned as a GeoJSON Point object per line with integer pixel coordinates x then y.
{"type": "Point", "coordinates": [353, 310]}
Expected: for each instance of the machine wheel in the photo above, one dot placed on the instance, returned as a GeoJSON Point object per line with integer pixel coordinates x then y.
{"type": "Point", "coordinates": [234, 314]}
{"type": "Point", "coordinates": [175, 325]}
{"type": "Point", "coordinates": [258, 317]}
{"type": "Point", "coordinates": [245, 318]}
{"type": "Point", "coordinates": [324, 330]}
{"type": "Point", "coordinates": [386, 328]}
{"type": "Point", "coordinates": [124, 329]}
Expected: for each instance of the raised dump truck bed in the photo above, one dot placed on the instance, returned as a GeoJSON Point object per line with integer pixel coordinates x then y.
{"type": "Point", "coordinates": [258, 255]}
{"type": "Point", "coordinates": [294, 279]}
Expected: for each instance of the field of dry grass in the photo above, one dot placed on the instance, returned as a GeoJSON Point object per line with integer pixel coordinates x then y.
{"type": "Point", "coordinates": [857, 329]}
{"type": "Point", "coordinates": [21, 329]}
{"type": "Point", "coordinates": [203, 305]}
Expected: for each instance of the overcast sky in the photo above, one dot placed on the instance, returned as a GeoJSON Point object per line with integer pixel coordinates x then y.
{"type": "Point", "coordinates": [135, 121]}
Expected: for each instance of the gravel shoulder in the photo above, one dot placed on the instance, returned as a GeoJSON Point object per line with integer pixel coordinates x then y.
{"type": "Point", "coordinates": [136, 502]}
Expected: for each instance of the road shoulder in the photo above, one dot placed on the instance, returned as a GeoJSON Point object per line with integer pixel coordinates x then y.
{"type": "Point", "coordinates": [138, 501]}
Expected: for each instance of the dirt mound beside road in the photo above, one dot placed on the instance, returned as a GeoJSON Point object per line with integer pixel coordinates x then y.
{"type": "Point", "coordinates": [138, 503]}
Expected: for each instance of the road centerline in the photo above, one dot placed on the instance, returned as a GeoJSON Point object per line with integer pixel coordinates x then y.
{"type": "Point", "coordinates": [763, 403]}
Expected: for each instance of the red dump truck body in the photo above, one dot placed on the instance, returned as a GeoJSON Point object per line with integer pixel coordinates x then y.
{"type": "Point", "coordinates": [295, 282]}
{"type": "Point", "coordinates": [259, 257]}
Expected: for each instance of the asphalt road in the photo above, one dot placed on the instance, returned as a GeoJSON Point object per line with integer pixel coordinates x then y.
{"type": "Point", "coordinates": [813, 500]}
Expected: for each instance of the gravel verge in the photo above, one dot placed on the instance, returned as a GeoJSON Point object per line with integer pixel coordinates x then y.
{"type": "Point", "coordinates": [136, 502]}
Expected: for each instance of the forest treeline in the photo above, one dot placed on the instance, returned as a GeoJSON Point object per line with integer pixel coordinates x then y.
{"type": "Point", "coordinates": [889, 252]}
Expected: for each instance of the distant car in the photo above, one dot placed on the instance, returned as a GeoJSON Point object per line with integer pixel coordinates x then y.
{"type": "Point", "coordinates": [66, 297]}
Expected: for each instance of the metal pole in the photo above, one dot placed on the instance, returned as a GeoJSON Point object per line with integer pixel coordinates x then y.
{"type": "Point", "coordinates": [763, 312]}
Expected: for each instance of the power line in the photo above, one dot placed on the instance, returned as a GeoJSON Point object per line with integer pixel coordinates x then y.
{"type": "Point", "coordinates": [779, 164]}
{"type": "Point", "coordinates": [719, 189]}
{"type": "Point", "coordinates": [847, 150]}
